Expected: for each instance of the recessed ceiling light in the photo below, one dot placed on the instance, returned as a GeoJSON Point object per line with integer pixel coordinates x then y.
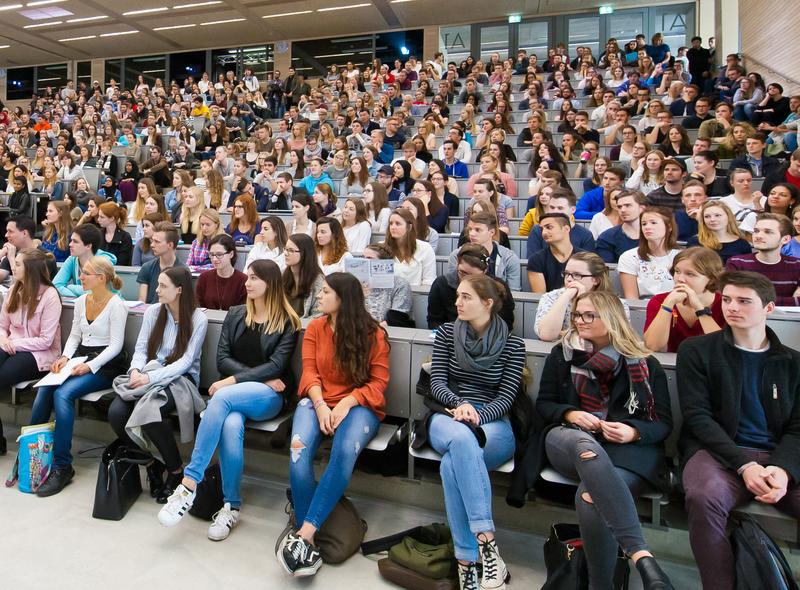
{"type": "Point", "coordinates": [87, 18]}
{"type": "Point", "coordinates": [78, 38]}
{"type": "Point", "coordinates": [400, 1]}
{"type": "Point", "coordinates": [146, 11]}
{"type": "Point", "coordinates": [196, 4]}
{"type": "Point", "coordinates": [36, 26]}
{"type": "Point", "coordinates": [118, 33]}
{"type": "Point", "coordinates": [10, 7]}
{"type": "Point", "coordinates": [331, 8]}
{"type": "Point", "coordinates": [222, 22]}
{"type": "Point", "coordinates": [43, 2]}
{"type": "Point", "coordinates": [288, 14]}
{"type": "Point", "coordinates": [4, 46]}
{"type": "Point", "coordinates": [174, 27]}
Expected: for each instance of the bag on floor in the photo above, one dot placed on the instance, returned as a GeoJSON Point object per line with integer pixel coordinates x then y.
{"type": "Point", "coordinates": [209, 499]}
{"type": "Point", "coordinates": [759, 561]}
{"type": "Point", "coordinates": [406, 578]}
{"type": "Point", "coordinates": [118, 481]}
{"type": "Point", "coordinates": [566, 562]}
{"type": "Point", "coordinates": [34, 458]}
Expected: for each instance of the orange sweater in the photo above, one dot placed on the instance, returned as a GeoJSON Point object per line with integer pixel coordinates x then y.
{"type": "Point", "coordinates": [319, 368]}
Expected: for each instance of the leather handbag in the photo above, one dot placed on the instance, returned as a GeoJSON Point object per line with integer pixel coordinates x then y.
{"type": "Point", "coordinates": [118, 481]}
{"type": "Point", "coordinates": [566, 562]}
{"type": "Point", "coordinates": [209, 499]}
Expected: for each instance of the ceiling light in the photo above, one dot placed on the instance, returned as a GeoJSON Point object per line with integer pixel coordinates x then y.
{"type": "Point", "coordinates": [400, 1]}
{"type": "Point", "coordinates": [174, 27]}
{"type": "Point", "coordinates": [343, 7]}
{"type": "Point", "coordinates": [196, 4]}
{"type": "Point", "coordinates": [50, 24]}
{"type": "Point", "coordinates": [222, 22]}
{"type": "Point", "coordinates": [288, 14]}
{"type": "Point", "coordinates": [77, 38]}
{"type": "Point", "coordinates": [10, 7]}
{"type": "Point", "coordinates": [118, 33]}
{"type": "Point", "coordinates": [4, 46]}
{"type": "Point", "coordinates": [43, 2]}
{"type": "Point", "coordinates": [87, 18]}
{"type": "Point", "coordinates": [146, 11]}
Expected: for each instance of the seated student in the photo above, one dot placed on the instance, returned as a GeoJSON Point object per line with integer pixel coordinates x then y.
{"type": "Point", "coordinates": [482, 229]}
{"type": "Point", "coordinates": [19, 234]}
{"type": "Point", "coordinates": [254, 360]}
{"type": "Point", "coordinates": [693, 196]}
{"type": "Point", "coordinates": [112, 218]}
{"type": "Point", "coordinates": [705, 170]}
{"type": "Point", "coordinates": [562, 200]}
{"type": "Point", "coordinates": [593, 201]}
{"type": "Point", "coordinates": [325, 201]}
{"type": "Point", "coordinates": [608, 217]}
{"type": "Point", "coordinates": [584, 271]}
{"type": "Point", "coordinates": [389, 306]}
{"type": "Point", "coordinates": [210, 226]}
{"type": "Point", "coordinates": [303, 278]}
{"type": "Point", "coordinates": [424, 231]}
{"type": "Point", "coordinates": [304, 214]}
{"type": "Point", "coordinates": [163, 244]}
{"type": "Point", "coordinates": [621, 238]}
{"type": "Point", "coordinates": [546, 267]}
{"type": "Point", "coordinates": [414, 260]}
{"type": "Point", "coordinates": [771, 233]}
{"type": "Point", "coordinates": [744, 202]}
{"type": "Point", "coordinates": [485, 193]}
{"type": "Point", "coordinates": [223, 285]}
{"type": "Point", "coordinates": [167, 350]}
{"type": "Point", "coordinates": [270, 243]}
{"type": "Point", "coordinates": [789, 172]}
{"type": "Point", "coordinates": [738, 442]}
{"type": "Point", "coordinates": [476, 373]}
{"type": "Point", "coordinates": [30, 328]}
{"type": "Point", "coordinates": [316, 176]}
{"type": "Point", "coordinates": [98, 332]}
{"type": "Point", "coordinates": [244, 225]}
{"type": "Point", "coordinates": [345, 375]}
{"type": "Point", "coordinates": [782, 198]}
{"type": "Point", "coordinates": [152, 204]}
{"type": "Point", "coordinates": [605, 401]}
{"type": "Point", "coordinates": [437, 214]}
{"type": "Point", "coordinates": [644, 271]}
{"type": "Point", "coordinates": [717, 230]}
{"type": "Point", "coordinates": [57, 229]}
{"type": "Point", "coordinates": [357, 229]}
{"type": "Point", "coordinates": [83, 245]}
{"type": "Point", "coordinates": [141, 251]}
{"type": "Point", "coordinates": [331, 245]}
{"type": "Point", "coordinates": [669, 194]}
{"type": "Point", "coordinates": [377, 205]}
{"type": "Point", "coordinates": [189, 213]}
{"type": "Point", "coordinates": [536, 211]}
{"type": "Point", "coordinates": [19, 201]}
{"type": "Point", "coordinates": [692, 308]}
{"type": "Point", "coordinates": [793, 247]}
{"type": "Point", "coordinates": [754, 159]}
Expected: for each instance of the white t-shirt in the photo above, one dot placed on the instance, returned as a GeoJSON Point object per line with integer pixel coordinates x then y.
{"type": "Point", "coordinates": [421, 269]}
{"type": "Point", "coordinates": [599, 224]}
{"type": "Point", "coordinates": [652, 276]}
{"type": "Point", "coordinates": [358, 236]}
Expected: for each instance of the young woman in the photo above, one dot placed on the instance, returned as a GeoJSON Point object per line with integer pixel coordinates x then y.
{"type": "Point", "coordinates": [254, 360]}
{"type": "Point", "coordinates": [345, 375]}
{"type": "Point", "coordinates": [644, 271]}
{"type": "Point", "coordinates": [601, 390]}
{"type": "Point", "coordinates": [189, 217]}
{"type": "Point", "coordinates": [19, 201]}
{"type": "Point", "coordinates": [584, 272]}
{"type": "Point", "coordinates": [129, 183]}
{"type": "Point", "coordinates": [50, 184]}
{"type": "Point", "coordinates": [303, 278]}
{"type": "Point", "coordinates": [144, 188]}
{"type": "Point", "coordinates": [111, 218]}
{"type": "Point", "coordinates": [98, 332]}
{"type": "Point", "coordinates": [357, 178]}
{"type": "Point", "coordinates": [414, 260]}
{"type": "Point", "coordinates": [624, 151]}
{"type": "Point", "coordinates": [677, 144]}
{"type": "Point", "coordinates": [215, 195]}
{"type": "Point", "coordinates": [325, 201]}
{"type": "Point", "coordinates": [598, 168]}
{"type": "Point", "coordinates": [210, 226]}
{"type": "Point", "coordinates": [297, 165]}
{"type": "Point", "coordinates": [733, 144]}
{"type": "Point", "coordinates": [357, 228]}
{"type": "Point", "coordinates": [647, 176]}
{"type": "Point", "coordinates": [331, 245]}
{"type": "Point", "coordinates": [692, 308]}
{"type": "Point", "coordinates": [437, 214]}
{"type": "Point", "coordinates": [782, 199]}
{"type": "Point", "coordinates": [717, 229]}
{"type": "Point", "coordinates": [270, 243]}
{"type": "Point", "coordinates": [244, 225]}
{"type": "Point", "coordinates": [376, 201]}
{"type": "Point", "coordinates": [167, 357]}
{"type": "Point", "coordinates": [424, 232]}
{"type": "Point", "coordinates": [304, 214]}
{"type": "Point", "coordinates": [141, 251]}
{"type": "Point", "coordinates": [174, 197]}
{"type": "Point", "coordinates": [222, 286]}
{"type": "Point", "coordinates": [484, 192]}
{"type": "Point", "coordinates": [608, 217]}
{"type": "Point", "coordinates": [476, 373]}
{"type": "Point", "coordinates": [57, 229]}
{"type": "Point", "coordinates": [451, 185]}
{"type": "Point", "coordinates": [30, 328]}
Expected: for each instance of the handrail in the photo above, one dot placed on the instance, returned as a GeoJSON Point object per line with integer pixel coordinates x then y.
{"type": "Point", "coordinates": [771, 70]}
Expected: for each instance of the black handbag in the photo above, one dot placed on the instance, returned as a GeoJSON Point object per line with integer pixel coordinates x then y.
{"type": "Point", "coordinates": [209, 498]}
{"type": "Point", "coordinates": [566, 562]}
{"type": "Point", "coordinates": [118, 481]}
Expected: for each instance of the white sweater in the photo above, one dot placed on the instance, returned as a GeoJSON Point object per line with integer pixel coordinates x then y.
{"type": "Point", "coordinates": [358, 236]}
{"type": "Point", "coordinates": [421, 269]}
{"type": "Point", "coordinates": [107, 329]}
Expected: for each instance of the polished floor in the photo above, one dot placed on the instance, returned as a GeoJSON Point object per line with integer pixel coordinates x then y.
{"type": "Point", "coordinates": [55, 544]}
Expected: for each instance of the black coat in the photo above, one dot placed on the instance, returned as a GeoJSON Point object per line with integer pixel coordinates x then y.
{"type": "Point", "coordinates": [442, 302]}
{"type": "Point", "coordinates": [121, 246]}
{"type": "Point", "coordinates": [709, 372]}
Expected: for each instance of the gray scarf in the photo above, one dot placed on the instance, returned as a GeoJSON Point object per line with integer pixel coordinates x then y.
{"type": "Point", "coordinates": [479, 354]}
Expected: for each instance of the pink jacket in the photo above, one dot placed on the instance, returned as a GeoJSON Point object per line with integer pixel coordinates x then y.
{"type": "Point", "coordinates": [39, 335]}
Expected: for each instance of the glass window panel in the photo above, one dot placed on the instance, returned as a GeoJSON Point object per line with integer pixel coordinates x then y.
{"type": "Point", "coordinates": [533, 37]}
{"type": "Point", "coordinates": [20, 84]}
{"type": "Point", "coordinates": [84, 72]}
{"type": "Point", "coordinates": [53, 76]}
{"type": "Point", "coordinates": [224, 61]}
{"type": "Point", "coordinates": [114, 71]}
{"type": "Point", "coordinates": [148, 67]}
{"type": "Point", "coordinates": [676, 23]}
{"type": "Point", "coordinates": [584, 31]}
{"type": "Point", "coordinates": [183, 65]}
{"type": "Point", "coordinates": [390, 46]}
{"type": "Point", "coordinates": [259, 59]}
{"type": "Point", "coordinates": [315, 57]}
{"type": "Point", "coordinates": [494, 40]}
{"type": "Point", "coordinates": [624, 26]}
{"type": "Point", "coordinates": [454, 43]}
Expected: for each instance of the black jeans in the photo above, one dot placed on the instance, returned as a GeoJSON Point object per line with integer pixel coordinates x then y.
{"type": "Point", "coordinates": [159, 433]}
{"type": "Point", "coordinates": [15, 368]}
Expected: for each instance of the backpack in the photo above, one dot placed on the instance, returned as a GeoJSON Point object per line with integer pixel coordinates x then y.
{"type": "Point", "coordinates": [759, 562]}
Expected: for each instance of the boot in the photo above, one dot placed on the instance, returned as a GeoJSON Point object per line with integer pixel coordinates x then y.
{"type": "Point", "coordinates": [653, 577]}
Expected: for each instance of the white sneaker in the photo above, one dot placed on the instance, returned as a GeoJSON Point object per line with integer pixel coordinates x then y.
{"type": "Point", "coordinates": [177, 506]}
{"type": "Point", "coordinates": [224, 520]}
{"type": "Point", "coordinates": [495, 573]}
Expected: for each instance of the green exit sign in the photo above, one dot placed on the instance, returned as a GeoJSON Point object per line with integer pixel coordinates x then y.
{"type": "Point", "coordinates": [606, 9]}
{"type": "Point", "coordinates": [514, 18]}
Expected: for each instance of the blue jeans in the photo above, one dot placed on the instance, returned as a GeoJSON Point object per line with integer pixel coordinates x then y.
{"type": "Point", "coordinates": [62, 399]}
{"type": "Point", "coordinates": [314, 502]}
{"type": "Point", "coordinates": [223, 425]}
{"type": "Point", "coordinates": [465, 476]}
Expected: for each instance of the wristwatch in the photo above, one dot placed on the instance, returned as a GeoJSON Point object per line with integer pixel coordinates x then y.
{"type": "Point", "coordinates": [701, 312]}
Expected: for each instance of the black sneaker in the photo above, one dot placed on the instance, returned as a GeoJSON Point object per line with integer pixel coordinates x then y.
{"type": "Point", "coordinates": [173, 481]}
{"type": "Point", "coordinates": [56, 482]}
{"type": "Point", "coordinates": [299, 557]}
{"type": "Point", "coordinates": [3, 445]}
{"type": "Point", "coordinates": [155, 478]}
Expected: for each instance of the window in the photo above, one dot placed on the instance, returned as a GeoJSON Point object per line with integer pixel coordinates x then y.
{"type": "Point", "coordinates": [316, 57]}
{"type": "Point", "coordinates": [149, 68]}
{"type": "Point", "coordinates": [84, 73]}
{"type": "Point", "coordinates": [533, 37]}
{"type": "Point", "coordinates": [584, 31]}
{"type": "Point", "coordinates": [224, 61]}
{"type": "Point", "coordinates": [114, 71]}
{"type": "Point", "coordinates": [399, 45]}
{"type": "Point", "coordinates": [20, 84]}
{"type": "Point", "coordinates": [624, 26]}
{"type": "Point", "coordinates": [258, 59]}
{"type": "Point", "coordinates": [494, 40]}
{"type": "Point", "coordinates": [183, 65]}
{"type": "Point", "coordinates": [454, 43]}
{"type": "Point", "coordinates": [52, 76]}
{"type": "Point", "coordinates": [674, 23]}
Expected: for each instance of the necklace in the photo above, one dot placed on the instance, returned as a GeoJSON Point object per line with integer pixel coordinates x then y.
{"type": "Point", "coordinates": [94, 307]}
{"type": "Point", "coordinates": [220, 296]}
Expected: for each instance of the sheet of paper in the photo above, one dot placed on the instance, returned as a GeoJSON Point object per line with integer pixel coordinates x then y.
{"type": "Point", "coordinates": [359, 268]}
{"type": "Point", "coordinates": [62, 375]}
{"type": "Point", "coordinates": [381, 274]}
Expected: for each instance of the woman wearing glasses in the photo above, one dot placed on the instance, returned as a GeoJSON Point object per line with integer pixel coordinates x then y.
{"type": "Point", "coordinates": [222, 286]}
{"type": "Point", "coordinates": [585, 271]}
{"type": "Point", "coordinates": [601, 391]}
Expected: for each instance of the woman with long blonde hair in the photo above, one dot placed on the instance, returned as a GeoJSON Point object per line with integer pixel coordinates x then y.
{"type": "Point", "coordinates": [191, 210]}
{"type": "Point", "coordinates": [215, 195]}
{"type": "Point", "coordinates": [144, 188]}
{"type": "Point", "coordinates": [210, 226]}
{"type": "Point", "coordinates": [57, 229]}
{"type": "Point", "coordinates": [718, 230]}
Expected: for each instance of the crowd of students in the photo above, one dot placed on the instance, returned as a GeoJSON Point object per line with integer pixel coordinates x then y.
{"type": "Point", "coordinates": [602, 400]}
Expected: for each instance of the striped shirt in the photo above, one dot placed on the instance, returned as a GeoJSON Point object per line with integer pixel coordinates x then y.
{"type": "Point", "coordinates": [494, 388]}
{"type": "Point", "coordinates": [785, 275]}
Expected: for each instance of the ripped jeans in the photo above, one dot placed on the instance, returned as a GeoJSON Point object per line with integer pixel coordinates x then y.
{"type": "Point", "coordinates": [313, 502]}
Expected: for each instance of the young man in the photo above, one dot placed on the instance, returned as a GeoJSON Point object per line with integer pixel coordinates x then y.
{"type": "Point", "coordinates": [582, 129]}
{"type": "Point", "coordinates": [393, 135]}
{"type": "Point", "coordinates": [83, 244]}
{"type": "Point", "coordinates": [419, 168]}
{"type": "Point", "coordinates": [705, 170]}
{"type": "Point", "coordinates": [546, 266]}
{"type": "Point", "coordinates": [743, 202]}
{"type": "Point", "coordinates": [19, 236]}
{"type": "Point", "coordinates": [385, 176]}
{"type": "Point", "coordinates": [163, 244]}
{"type": "Point", "coordinates": [773, 109]}
{"type": "Point", "coordinates": [625, 236]}
{"type": "Point", "coordinates": [693, 196]}
{"type": "Point", "coordinates": [755, 159]}
{"type": "Point", "coordinates": [739, 392]}
{"type": "Point", "coordinates": [715, 129]}
{"type": "Point", "coordinates": [702, 113]}
{"type": "Point", "coordinates": [594, 201]}
{"type": "Point", "coordinates": [669, 194]}
{"type": "Point", "coordinates": [789, 172]}
{"type": "Point", "coordinates": [699, 63]}
{"type": "Point", "coordinates": [562, 200]}
{"type": "Point", "coordinates": [771, 233]}
{"type": "Point", "coordinates": [157, 168]}
{"type": "Point", "coordinates": [454, 167]}
{"type": "Point", "coordinates": [503, 263]}
{"type": "Point", "coordinates": [316, 176]}
{"type": "Point", "coordinates": [657, 134]}
{"type": "Point", "coordinates": [463, 151]}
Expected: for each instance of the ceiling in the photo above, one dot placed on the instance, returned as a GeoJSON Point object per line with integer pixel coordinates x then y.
{"type": "Point", "coordinates": [49, 31]}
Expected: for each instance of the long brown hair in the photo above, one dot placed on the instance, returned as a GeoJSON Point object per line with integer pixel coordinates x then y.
{"type": "Point", "coordinates": [671, 237]}
{"type": "Point", "coordinates": [181, 278]}
{"type": "Point", "coordinates": [37, 275]}
{"type": "Point", "coordinates": [404, 248]}
{"type": "Point", "coordinates": [309, 268]}
{"type": "Point", "coordinates": [215, 185]}
{"type": "Point", "coordinates": [62, 227]}
{"type": "Point", "coordinates": [153, 218]}
{"type": "Point", "coordinates": [421, 221]}
{"type": "Point", "coordinates": [380, 199]}
{"type": "Point", "coordinates": [355, 332]}
{"type": "Point", "coordinates": [338, 244]}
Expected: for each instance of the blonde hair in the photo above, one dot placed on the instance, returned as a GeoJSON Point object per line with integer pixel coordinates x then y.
{"type": "Point", "coordinates": [213, 216]}
{"type": "Point", "coordinates": [102, 266]}
{"type": "Point", "coordinates": [190, 219]}
{"type": "Point", "coordinates": [62, 228]}
{"type": "Point", "coordinates": [279, 310]}
{"type": "Point", "coordinates": [708, 238]}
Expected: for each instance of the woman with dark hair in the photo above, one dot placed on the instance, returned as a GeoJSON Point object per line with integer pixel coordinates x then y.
{"type": "Point", "coordinates": [376, 201]}
{"type": "Point", "coordinates": [129, 183]}
{"type": "Point", "coordinates": [644, 271]}
{"type": "Point", "coordinates": [424, 232]}
{"type": "Point", "coordinates": [441, 182]}
{"type": "Point", "coordinates": [438, 216]}
{"type": "Point", "coordinates": [297, 165]}
{"type": "Point", "coordinates": [167, 360]}
{"type": "Point", "coordinates": [403, 181]}
{"type": "Point", "coordinates": [331, 245]}
{"type": "Point", "coordinates": [270, 243]}
{"type": "Point", "coordinates": [677, 143]}
{"type": "Point", "coordinates": [345, 375]}
{"type": "Point", "coordinates": [303, 278]}
{"type": "Point", "coordinates": [142, 252]}
{"type": "Point", "coordinates": [414, 260]}
{"type": "Point", "coordinates": [223, 285]}
{"type": "Point", "coordinates": [254, 360]}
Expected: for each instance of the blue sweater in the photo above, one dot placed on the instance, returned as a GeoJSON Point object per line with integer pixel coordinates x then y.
{"type": "Point", "coordinates": [580, 237]}
{"type": "Point", "coordinates": [590, 203]}
{"type": "Point", "coordinates": [68, 281]}
{"type": "Point", "coordinates": [612, 243]}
